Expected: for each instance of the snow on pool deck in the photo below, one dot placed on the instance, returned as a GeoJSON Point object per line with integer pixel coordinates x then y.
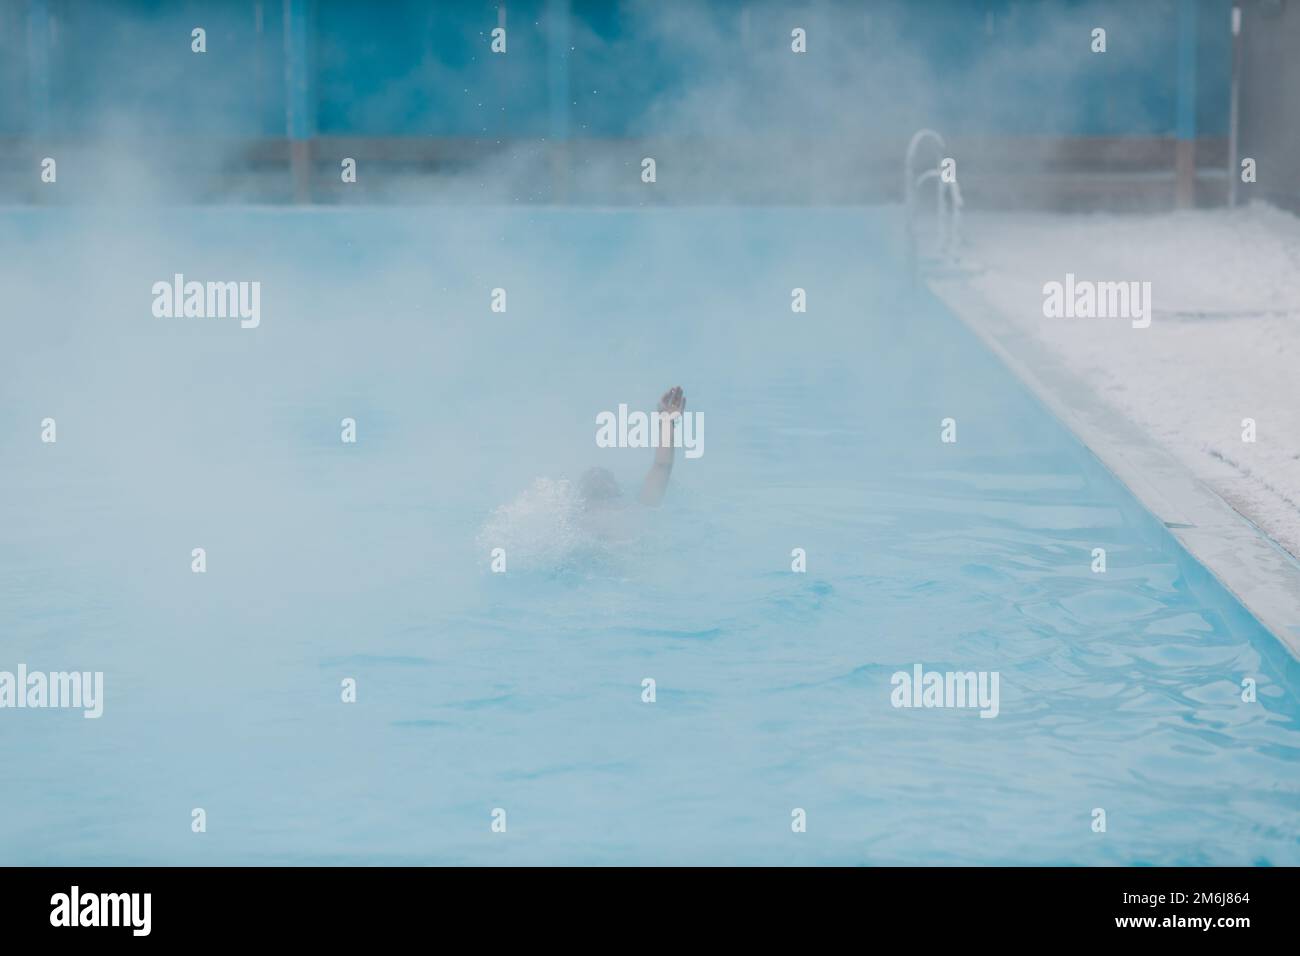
{"type": "Point", "coordinates": [1223, 344]}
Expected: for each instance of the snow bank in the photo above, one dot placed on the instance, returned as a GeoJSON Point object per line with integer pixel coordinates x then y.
{"type": "Point", "coordinates": [1224, 344]}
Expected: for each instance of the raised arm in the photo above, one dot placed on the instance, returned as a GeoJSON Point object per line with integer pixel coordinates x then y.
{"type": "Point", "coordinates": [671, 407]}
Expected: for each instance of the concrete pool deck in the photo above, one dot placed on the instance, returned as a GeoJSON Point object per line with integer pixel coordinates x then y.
{"type": "Point", "coordinates": [1227, 318]}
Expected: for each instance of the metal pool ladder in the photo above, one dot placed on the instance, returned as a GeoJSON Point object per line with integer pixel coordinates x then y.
{"type": "Point", "coordinates": [948, 203]}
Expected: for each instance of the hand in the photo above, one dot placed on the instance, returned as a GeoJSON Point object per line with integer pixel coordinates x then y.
{"type": "Point", "coordinates": [673, 402]}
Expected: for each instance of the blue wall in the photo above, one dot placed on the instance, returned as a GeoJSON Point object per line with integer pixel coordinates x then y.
{"type": "Point", "coordinates": [423, 68]}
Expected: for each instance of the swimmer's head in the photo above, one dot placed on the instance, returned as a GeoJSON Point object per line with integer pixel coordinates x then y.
{"type": "Point", "coordinates": [598, 488]}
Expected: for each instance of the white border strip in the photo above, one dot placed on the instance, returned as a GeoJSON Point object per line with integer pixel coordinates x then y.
{"type": "Point", "coordinates": [1259, 573]}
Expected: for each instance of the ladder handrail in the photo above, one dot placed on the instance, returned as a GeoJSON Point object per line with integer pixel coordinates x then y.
{"type": "Point", "coordinates": [948, 199]}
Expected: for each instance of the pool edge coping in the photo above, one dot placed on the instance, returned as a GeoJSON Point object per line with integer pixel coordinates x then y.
{"type": "Point", "coordinates": [1253, 568]}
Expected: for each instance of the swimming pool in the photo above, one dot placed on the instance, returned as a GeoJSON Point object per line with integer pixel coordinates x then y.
{"type": "Point", "coordinates": [523, 690]}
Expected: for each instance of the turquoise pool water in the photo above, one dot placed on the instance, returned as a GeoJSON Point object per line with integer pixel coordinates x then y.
{"type": "Point", "coordinates": [523, 690]}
